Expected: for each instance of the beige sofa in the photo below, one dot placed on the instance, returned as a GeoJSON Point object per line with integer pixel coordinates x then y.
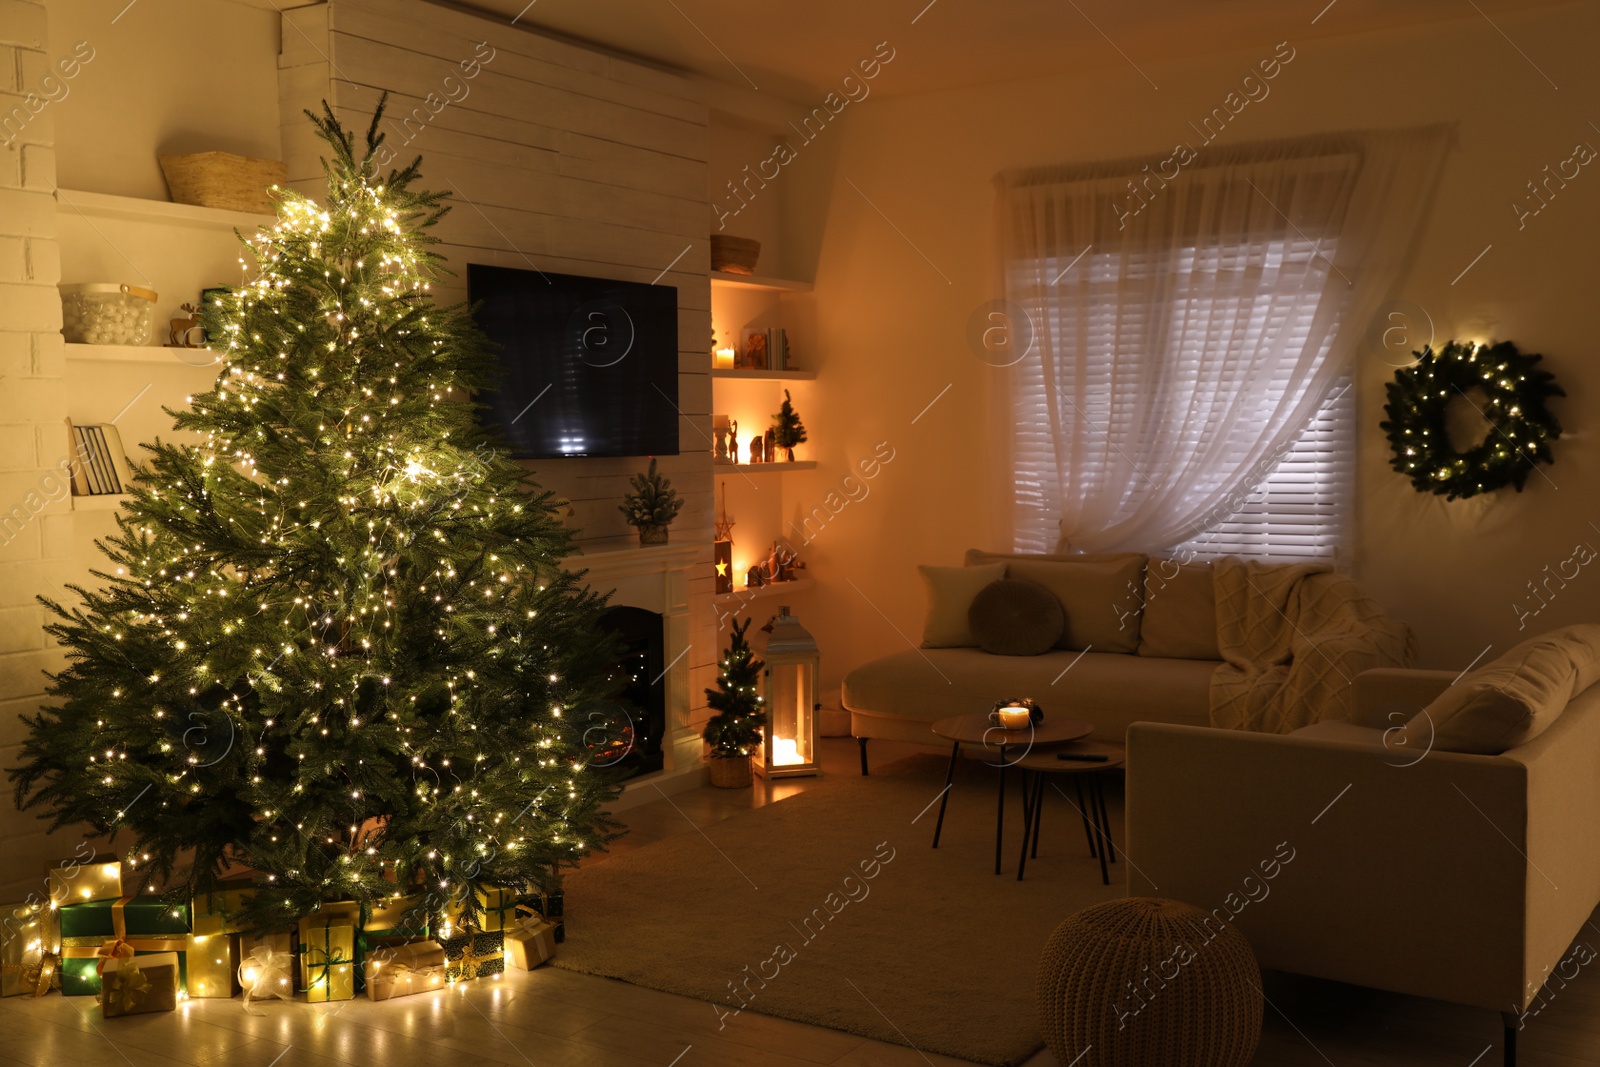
{"type": "Point", "coordinates": [1143, 642]}
{"type": "Point", "coordinates": [1455, 876]}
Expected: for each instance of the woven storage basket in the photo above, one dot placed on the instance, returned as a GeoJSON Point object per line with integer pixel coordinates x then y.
{"type": "Point", "coordinates": [223, 180]}
{"type": "Point", "coordinates": [730, 773]}
{"type": "Point", "coordinates": [735, 255]}
{"type": "Point", "coordinates": [1149, 983]}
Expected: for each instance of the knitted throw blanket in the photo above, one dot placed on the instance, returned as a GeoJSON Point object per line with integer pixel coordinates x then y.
{"type": "Point", "coordinates": [1293, 638]}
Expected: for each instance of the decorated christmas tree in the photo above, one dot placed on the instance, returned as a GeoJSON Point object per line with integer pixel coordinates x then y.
{"type": "Point", "coordinates": [787, 429]}
{"type": "Point", "coordinates": [735, 729]}
{"type": "Point", "coordinates": [335, 642]}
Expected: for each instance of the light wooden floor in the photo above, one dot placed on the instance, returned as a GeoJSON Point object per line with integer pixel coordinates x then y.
{"type": "Point", "coordinates": [553, 1018]}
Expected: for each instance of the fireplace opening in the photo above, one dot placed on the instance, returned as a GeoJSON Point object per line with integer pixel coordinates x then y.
{"type": "Point", "coordinates": [627, 734]}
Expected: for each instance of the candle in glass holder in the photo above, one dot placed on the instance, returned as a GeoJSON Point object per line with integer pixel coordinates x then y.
{"type": "Point", "coordinates": [1013, 717]}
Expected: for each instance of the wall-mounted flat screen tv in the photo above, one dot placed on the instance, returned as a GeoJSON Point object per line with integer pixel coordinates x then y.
{"type": "Point", "coordinates": [588, 366]}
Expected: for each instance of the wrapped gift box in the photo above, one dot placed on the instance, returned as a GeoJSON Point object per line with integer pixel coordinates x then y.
{"type": "Point", "coordinates": [529, 943]}
{"type": "Point", "coordinates": [148, 925]}
{"type": "Point", "coordinates": [497, 910]}
{"type": "Point", "coordinates": [327, 958]}
{"type": "Point", "coordinates": [398, 970]}
{"type": "Point", "coordinates": [75, 881]}
{"type": "Point", "coordinates": [135, 985]}
{"type": "Point", "coordinates": [211, 965]}
{"type": "Point", "coordinates": [24, 929]}
{"type": "Point", "coordinates": [549, 906]}
{"type": "Point", "coordinates": [474, 954]}
{"type": "Point", "coordinates": [395, 920]}
{"type": "Point", "coordinates": [266, 967]}
{"type": "Point", "coordinates": [212, 913]}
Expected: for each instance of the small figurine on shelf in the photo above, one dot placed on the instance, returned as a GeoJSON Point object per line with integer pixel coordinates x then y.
{"type": "Point", "coordinates": [719, 432]}
{"type": "Point", "coordinates": [770, 446]}
{"type": "Point", "coordinates": [755, 578]}
{"type": "Point", "coordinates": [756, 453]}
{"type": "Point", "coordinates": [787, 429]}
{"type": "Point", "coordinates": [187, 332]}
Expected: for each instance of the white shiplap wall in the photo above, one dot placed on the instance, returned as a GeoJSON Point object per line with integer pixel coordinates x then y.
{"type": "Point", "coordinates": [561, 158]}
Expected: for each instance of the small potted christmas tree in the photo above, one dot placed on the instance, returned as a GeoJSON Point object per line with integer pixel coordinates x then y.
{"type": "Point", "coordinates": [787, 429]}
{"type": "Point", "coordinates": [735, 731]}
{"type": "Point", "coordinates": [651, 506]}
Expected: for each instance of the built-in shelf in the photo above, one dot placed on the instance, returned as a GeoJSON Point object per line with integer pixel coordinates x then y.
{"type": "Point", "coordinates": [765, 468]}
{"type": "Point", "coordinates": [190, 357]}
{"type": "Point", "coordinates": [745, 374]}
{"type": "Point", "coordinates": [100, 501]}
{"type": "Point", "coordinates": [104, 205]}
{"type": "Point", "coordinates": [758, 281]}
{"type": "Point", "coordinates": [762, 592]}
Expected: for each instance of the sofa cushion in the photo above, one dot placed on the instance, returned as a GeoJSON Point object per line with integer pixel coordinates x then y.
{"type": "Point", "coordinates": [950, 594]}
{"type": "Point", "coordinates": [1180, 611]}
{"type": "Point", "coordinates": [1513, 699]}
{"type": "Point", "coordinates": [1099, 593]}
{"type": "Point", "coordinates": [1015, 618]}
{"type": "Point", "coordinates": [901, 695]}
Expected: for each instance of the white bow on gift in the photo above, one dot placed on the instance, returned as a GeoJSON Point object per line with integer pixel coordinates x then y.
{"type": "Point", "coordinates": [265, 973]}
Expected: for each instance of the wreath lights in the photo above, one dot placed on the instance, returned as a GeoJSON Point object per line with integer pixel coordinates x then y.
{"type": "Point", "coordinates": [1520, 425]}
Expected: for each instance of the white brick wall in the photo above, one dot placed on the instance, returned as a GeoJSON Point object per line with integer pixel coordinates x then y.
{"type": "Point", "coordinates": [33, 560]}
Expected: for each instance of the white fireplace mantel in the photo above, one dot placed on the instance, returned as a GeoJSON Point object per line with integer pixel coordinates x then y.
{"type": "Point", "coordinates": [656, 578]}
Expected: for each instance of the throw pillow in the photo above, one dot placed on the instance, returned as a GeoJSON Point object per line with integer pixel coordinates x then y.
{"type": "Point", "coordinates": [1511, 700]}
{"type": "Point", "coordinates": [1016, 618]}
{"type": "Point", "coordinates": [1180, 611]}
{"type": "Point", "coordinates": [1100, 594]}
{"type": "Point", "coordinates": [950, 594]}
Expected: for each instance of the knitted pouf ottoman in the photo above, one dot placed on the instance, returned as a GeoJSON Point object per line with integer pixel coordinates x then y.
{"type": "Point", "coordinates": [1149, 983]}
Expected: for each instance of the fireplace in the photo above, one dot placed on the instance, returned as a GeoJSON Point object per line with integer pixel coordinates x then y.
{"type": "Point", "coordinates": [627, 735]}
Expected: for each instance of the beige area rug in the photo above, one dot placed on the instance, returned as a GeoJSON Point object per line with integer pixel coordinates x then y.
{"type": "Point", "coordinates": [775, 909]}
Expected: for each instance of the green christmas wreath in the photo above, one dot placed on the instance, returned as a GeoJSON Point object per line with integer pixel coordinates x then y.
{"type": "Point", "coordinates": [1520, 426]}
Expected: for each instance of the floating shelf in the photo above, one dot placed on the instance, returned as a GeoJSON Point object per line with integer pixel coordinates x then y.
{"type": "Point", "coordinates": [77, 353]}
{"type": "Point", "coordinates": [100, 501]}
{"type": "Point", "coordinates": [765, 468]}
{"type": "Point", "coordinates": [762, 592]}
{"type": "Point", "coordinates": [106, 206]}
{"type": "Point", "coordinates": [758, 281]}
{"type": "Point", "coordinates": [764, 375]}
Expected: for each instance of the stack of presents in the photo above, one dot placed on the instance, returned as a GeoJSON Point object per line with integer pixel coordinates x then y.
{"type": "Point", "coordinates": [140, 954]}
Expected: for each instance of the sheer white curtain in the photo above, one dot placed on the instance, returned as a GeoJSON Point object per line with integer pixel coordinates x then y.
{"type": "Point", "coordinates": [1185, 335]}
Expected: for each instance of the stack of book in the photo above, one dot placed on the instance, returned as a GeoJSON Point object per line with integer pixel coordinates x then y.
{"type": "Point", "coordinates": [99, 465]}
{"type": "Point", "coordinates": [777, 349]}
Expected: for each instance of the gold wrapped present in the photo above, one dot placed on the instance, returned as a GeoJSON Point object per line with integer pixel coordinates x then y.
{"type": "Point", "coordinates": [211, 912]}
{"type": "Point", "coordinates": [327, 958]}
{"type": "Point", "coordinates": [497, 910]}
{"type": "Point", "coordinates": [135, 985]}
{"type": "Point", "coordinates": [531, 942]}
{"type": "Point", "coordinates": [474, 954]}
{"type": "Point", "coordinates": [77, 880]}
{"type": "Point", "coordinates": [398, 970]}
{"type": "Point", "coordinates": [266, 967]}
{"type": "Point", "coordinates": [212, 963]}
{"type": "Point", "coordinates": [27, 934]}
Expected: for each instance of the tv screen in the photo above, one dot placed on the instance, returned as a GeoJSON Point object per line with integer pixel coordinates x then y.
{"type": "Point", "coordinates": [588, 366]}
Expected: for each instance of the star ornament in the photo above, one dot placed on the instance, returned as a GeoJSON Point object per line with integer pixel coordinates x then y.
{"type": "Point", "coordinates": [722, 570]}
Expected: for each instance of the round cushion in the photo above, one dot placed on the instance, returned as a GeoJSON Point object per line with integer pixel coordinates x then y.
{"type": "Point", "coordinates": [1011, 617]}
{"type": "Point", "coordinates": [1143, 981]}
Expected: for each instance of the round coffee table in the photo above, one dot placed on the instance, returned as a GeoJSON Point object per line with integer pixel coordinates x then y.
{"type": "Point", "coordinates": [1011, 746]}
{"type": "Point", "coordinates": [1081, 759]}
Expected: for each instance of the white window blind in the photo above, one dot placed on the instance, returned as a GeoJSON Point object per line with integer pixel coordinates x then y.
{"type": "Point", "coordinates": [1298, 507]}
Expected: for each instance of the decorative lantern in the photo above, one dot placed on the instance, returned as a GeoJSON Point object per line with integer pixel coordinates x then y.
{"type": "Point", "coordinates": [789, 741]}
{"type": "Point", "coordinates": [722, 559]}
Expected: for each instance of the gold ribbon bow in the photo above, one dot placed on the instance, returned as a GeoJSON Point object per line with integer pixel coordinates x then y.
{"type": "Point", "coordinates": [127, 984]}
{"type": "Point", "coordinates": [265, 973]}
{"type": "Point", "coordinates": [39, 969]}
{"type": "Point", "coordinates": [115, 949]}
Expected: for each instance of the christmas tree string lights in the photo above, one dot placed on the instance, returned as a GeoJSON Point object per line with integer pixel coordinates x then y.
{"type": "Point", "coordinates": [1520, 426]}
{"type": "Point", "coordinates": [335, 642]}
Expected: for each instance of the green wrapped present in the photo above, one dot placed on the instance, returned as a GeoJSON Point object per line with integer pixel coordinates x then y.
{"type": "Point", "coordinates": [474, 954]}
{"type": "Point", "coordinates": [91, 930]}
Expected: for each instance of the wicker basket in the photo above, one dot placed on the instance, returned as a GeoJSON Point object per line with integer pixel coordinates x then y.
{"type": "Point", "coordinates": [734, 255]}
{"type": "Point", "coordinates": [1147, 983]}
{"type": "Point", "coordinates": [224, 180]}
{"type": "Point", "coordinates": [731, 773]}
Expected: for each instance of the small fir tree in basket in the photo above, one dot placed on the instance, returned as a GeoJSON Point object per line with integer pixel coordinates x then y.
{"type": "Point", "coordinates": [787, 429]}
{"type": "Point", "coordinates": [651, 506]}
{"type": "Point", "coordinates": [735, 731]}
